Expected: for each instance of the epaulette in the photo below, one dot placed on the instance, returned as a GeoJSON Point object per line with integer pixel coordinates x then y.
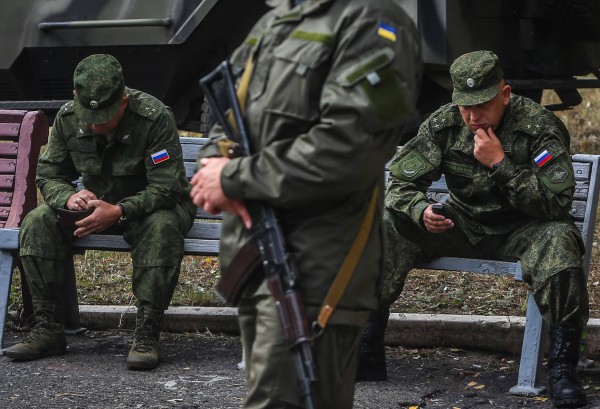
{"type": "Point", "coordinates": [444, 118]}
{"type": "Point", "coordinates": [66, 109]}
{"type": "Point", "coordinates": [151, 111]}
{"type": "Point", "coordinates": [533, 125]}
{"type": "Point", "coordinates": [147, 107]}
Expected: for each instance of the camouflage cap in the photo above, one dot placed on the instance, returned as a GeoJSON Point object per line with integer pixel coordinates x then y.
{"type": "Point", "coordinates": [475, 77]}
{"type": "Point", "coordinates": [99, 86]}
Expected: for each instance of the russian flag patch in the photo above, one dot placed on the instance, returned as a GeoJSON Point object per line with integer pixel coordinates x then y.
{"type": "Point", "coordinates": [160, 156]}
{"type": "Point", "coordinates": [542, 158]}
{"type": "Point", "coordinates": [387, 31]}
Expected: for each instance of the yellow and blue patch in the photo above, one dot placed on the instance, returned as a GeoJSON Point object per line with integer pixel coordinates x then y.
{"type": "Point", "coordinates": [387, 31]}
{"type": "Point", "coordinates": [160, 156]}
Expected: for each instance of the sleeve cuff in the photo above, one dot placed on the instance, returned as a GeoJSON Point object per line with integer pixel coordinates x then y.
{"type": "Point", "coordinates": [504, 173]}
{"type": "Point", "coordinates": [230, 181]}
{"type": "Point", "coordinates": [417, 213]}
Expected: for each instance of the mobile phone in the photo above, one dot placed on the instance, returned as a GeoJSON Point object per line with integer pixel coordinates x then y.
{"type": "Point", "coordinates": [438, 208]}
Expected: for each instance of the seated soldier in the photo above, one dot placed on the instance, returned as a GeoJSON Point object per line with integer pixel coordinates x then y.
{"type": "Point", "coordinates": [508, 169]}
{"type": "Point", "coordinates": [124, 144]}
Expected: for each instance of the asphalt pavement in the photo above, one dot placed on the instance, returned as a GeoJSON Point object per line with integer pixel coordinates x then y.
{"type": "Point", "coordinates": [199, 369]}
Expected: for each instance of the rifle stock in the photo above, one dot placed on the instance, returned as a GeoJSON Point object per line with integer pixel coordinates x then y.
{"type": "Point", "coordinates": [280, 272]}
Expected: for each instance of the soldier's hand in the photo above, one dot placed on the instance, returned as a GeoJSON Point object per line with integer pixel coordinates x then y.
{"type": "Point", "coordinates": [208, 194]}
{"type": "Point", "coordinates": [436, 223]}
{"type": "Point", "coordinates": [104, 216]}
{"type": "Point", "coordinates": [488, 148]}
{"type": "Point", "coordinates": [79, 200]}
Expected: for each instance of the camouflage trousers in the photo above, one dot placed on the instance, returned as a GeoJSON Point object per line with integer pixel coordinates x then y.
{"type": "Point", "coordinates": [156, 253]}
{"type": "Point", "coordinates": [550, 253]}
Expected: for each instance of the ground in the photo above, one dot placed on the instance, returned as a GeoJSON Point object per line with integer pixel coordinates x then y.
{"type": "Point", "coordinates": [200, 371]}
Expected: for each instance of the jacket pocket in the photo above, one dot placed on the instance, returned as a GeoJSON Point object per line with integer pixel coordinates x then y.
{"type": "Point", "coordinates": [298, 68]}
{"type": "Point", "coordinates": [85, 157]}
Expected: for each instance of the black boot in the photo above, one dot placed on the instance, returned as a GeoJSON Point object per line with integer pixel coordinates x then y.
{"type": "Point", "coordinates": [371, 358]}
{"type": "Point", "coordinates": [563, 384]}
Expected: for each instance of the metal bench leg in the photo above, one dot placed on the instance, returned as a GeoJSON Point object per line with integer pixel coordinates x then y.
{"type": "Point", "coordinates": [532, 353]}
{"type": "Point", "coordinates": [6, 269]}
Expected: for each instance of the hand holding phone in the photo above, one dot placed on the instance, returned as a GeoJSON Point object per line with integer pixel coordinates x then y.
{"type": "Point", "coordinates": [439, 208]}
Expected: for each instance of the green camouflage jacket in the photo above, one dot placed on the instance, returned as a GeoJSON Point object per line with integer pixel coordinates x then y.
{"type": "Point", "coordinates": [133, 171]}
{"type": "Point", "coordinates": [333, 85]}
{"type": "Point", "coordinates": [535, 182]}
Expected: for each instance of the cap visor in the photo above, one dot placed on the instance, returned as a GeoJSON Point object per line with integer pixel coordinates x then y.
{"type": "Point", "coordinates": [475, 97]}
{"type": "Point", "coordinates": [95, 116]}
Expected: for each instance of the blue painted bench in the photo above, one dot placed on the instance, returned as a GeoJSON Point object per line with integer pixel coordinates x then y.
{"type": "Point", "coordinates": [583, 212]}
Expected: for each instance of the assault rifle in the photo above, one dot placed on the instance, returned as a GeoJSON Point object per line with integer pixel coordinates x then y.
{"type": "Point", "coordinates": [280, 272]}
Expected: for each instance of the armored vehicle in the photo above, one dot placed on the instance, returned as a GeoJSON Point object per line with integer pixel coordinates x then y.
{"type": "Point", "coordinates": [166, 46]}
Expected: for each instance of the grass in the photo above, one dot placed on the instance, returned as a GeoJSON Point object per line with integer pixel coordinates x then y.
{"type": "Point", "coordinates": [105, 277]}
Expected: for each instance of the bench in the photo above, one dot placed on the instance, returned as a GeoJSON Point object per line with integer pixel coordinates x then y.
{"type": "Point", "coordinates": [583, 212]}
{"type": "Point", "coordinates": [203, 240]}
{"type": "Point", "coordinates": [22, 134]}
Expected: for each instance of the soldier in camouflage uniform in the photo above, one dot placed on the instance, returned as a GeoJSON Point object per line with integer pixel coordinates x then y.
{"type": "Point", "coordinates": [124, 145]}
{"type": "Point", "coordinates": [333, 85]}
{"type": "Point", "coordinates": [508, 169]}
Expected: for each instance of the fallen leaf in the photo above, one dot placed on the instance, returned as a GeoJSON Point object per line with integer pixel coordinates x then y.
{"type": "Point", "coordinates": [480, 387]}
{"type": "Point", "coordinates": [471, 384]}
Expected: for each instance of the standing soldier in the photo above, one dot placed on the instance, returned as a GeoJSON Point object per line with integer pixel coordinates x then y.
{"type": "Point", "coordinates": [125, 147]}
{"type": "Point", "coordinates": [331, 85]}
{"type": "Point", "coordinates": [508, 169]}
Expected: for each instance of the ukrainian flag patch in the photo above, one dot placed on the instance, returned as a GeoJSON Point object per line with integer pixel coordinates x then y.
{"type": "Point", "coordinates": [387, 31]}
{"type": "Point", "coordinates": [160, 156]}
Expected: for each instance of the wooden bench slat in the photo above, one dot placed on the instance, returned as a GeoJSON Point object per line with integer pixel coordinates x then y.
{"type": "Point", "coordinates": [210, 231]}
{"type": "Point", "coordinates": [12, 115]}
{"type": "Point", "coordinates": [189, 146]}
{"type": "Point", "coordinates": [9, 149]}
{"type": "Point", "coordinates": [5, 198]}
{"type": "Point", "coordinates": [7, 182]}
{"type": "Point", "coordinates": [582, 170]}
{"type": "Point", "coordinates": [8, 165]}
{"type": "Point", "coordinates": [494, 267]}
{"type": "Point", "coordinates": [195, 247]}
{"type": "Point", "coordinates": [190, 169]}
{"type": "Point", "coordinates": [10, 130]}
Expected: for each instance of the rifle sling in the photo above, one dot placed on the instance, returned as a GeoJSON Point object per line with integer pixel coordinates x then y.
{"type": "Point", "coordinates": [347, 268]}
{"type": "Point", "coordinates": [242, 91]}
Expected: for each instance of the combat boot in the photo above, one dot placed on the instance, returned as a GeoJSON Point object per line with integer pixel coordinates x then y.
{"type": "Point", "coordinates": [564, 387]}
{"type": "Point", "coordinates": [144, 351]}
{"type": "Point", "coordinates": [46, 338]}
{"type": "Point", "coordinates": [371, 357]}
